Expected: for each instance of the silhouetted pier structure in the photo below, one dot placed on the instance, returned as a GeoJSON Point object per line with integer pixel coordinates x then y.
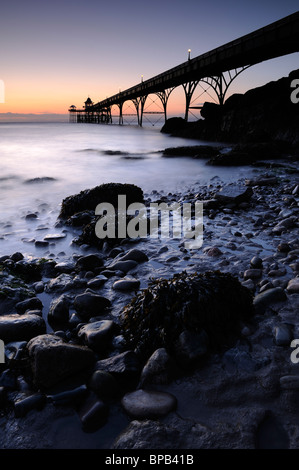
{"type": "Point", "coordinates": [216, 68]}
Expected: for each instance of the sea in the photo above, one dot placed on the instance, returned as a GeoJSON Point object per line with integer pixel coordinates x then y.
{"type": "Point", "coordinates": [42, 163]}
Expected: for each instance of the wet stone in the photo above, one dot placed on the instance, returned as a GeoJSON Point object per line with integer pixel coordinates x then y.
{"type": "Point", "coordinates": [15, 327]}
{"type": "Point", "coordinates": [256, 262]}
{"type": "Point", "coordinates": [159, 368]}
{"type": "Point", "coordinates": [270, 296]}
{"type": "Point", "coordinates": [289, 382]}
{"type": "Point", "coordinates": [253, 274]}
{"type": "Point", "coordinates": [29, 304]}
{"type": "Point", "coordinates": [293, 286]}
{"type": "Point", "coordinates": [125, 365]}
{"type": "Point", "coordinates": [126, 284]}
{"type": "Point", "coordinates": [97, 335]}
{"type": "Point", "coordinates": [89, 304]}
{"type": "Point", "coordinates": [104, 385]}
{"type": "Point", "coordinates": [123, 266]}
{"type": "Point", "coordinates": [143, 404]}
{"type": "Point", "coordinates": [283, 335]}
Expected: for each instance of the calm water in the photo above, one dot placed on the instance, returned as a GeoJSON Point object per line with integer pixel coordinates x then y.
{"type": "Point", "coordinates": [80, 156]}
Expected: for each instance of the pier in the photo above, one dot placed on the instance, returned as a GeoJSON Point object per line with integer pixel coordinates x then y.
{"type": "Point", "coordinates": [217, 69]}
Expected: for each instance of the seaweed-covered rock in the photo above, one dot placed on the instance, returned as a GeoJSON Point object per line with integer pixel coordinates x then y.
{"type": "Point", "coordinates": [90, 198]}
{"type": "Point", "coordinates": [214, 302]}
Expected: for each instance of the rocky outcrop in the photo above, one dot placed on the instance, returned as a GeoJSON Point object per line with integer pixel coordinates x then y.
{"type": "Point", "coordinates": [262, 114]}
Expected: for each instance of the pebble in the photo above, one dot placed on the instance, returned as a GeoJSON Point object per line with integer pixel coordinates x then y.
{"type": "Point", "coordinates": [143, 404]}
{"type": "Point", "coordinates": [126, 284]}
{"type": "Point", "coordinates": [123, 266]}
{"type": "Point", "coordinates": [97, 335]}
{"type": "Point", "coordinates": [104, 385]}
{"type": "Point", "coordinates": [93, 414]}
{"type": "Point", "coordinates": [289, 382]}
{"type": "Point", "coordinates": [283, 335]}
{"type": "Point", "coordinates": [159, 368]}
{"type": "Point", "coordinates": [252, 274]}
{"type": "Point", "coordinates": [59, 309]}
{"type": "Point", "coordinates": [97, 282]}
{"type": "Point", "coordinates": [264, 299]}
{"type": "Point", "coordinates": [256, 262]}
{"type": "Point", "coordinates": [293, 286]}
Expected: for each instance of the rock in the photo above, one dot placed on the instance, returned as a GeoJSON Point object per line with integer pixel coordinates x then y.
{"type": "Point", "coordinates": [174, 124]}
{"type": "Point", "coordinates": [191, 346]}
{"type": "Point", "coordinates": [293, 286]}
{"type": "Point", "coordinates": [283, 335]}
{"type": "Point", "coordinates": [59, 283]}
{"type": "Point", "coordinates": [150, 435]}
{"type": "Point", "coordinates": [29, 304]}
{"type": "Point", "coordinates": [289, 382]}
{"type": "Point", "coordinates": [97, 282]}
{"type": "Point", "coordinates": [90, 198]}
{"type": "Point", "coordinates": [284, 247]}
{"type": "Point", "coordinates": [55, 236]}
{"type": "Point", "coordinates": [270, 296]}
{"type": "Point", "coordinates": [126, 284]}
{"type": "Point", "coordinates": [143, 404]}
{"type": "Point", "coordinates": [89, 304]}
{"type": "Point", "coordinates": [159, 368]}
{"type": "Point", "coordinates": [97, 335]}
{"type": "Point", "coordinates": [233, 194]}
{"type": "Point", "coordinates": [126, 365]}
{"type": "Point", "coordinates": [157, 316]}
{"type": "Point", "coordinates": [214, 251]}
{"type": "Point", "coordinates": [59, 310]}
{"type": "Point", "coordinates": [134, 255]}
{"type": "Point", "coordinates": [38, 287]}
{"type": "Point", "coordinates": [262, 181]}
{"type": "Point", "coordinates": [41, 244]}
{"type": "Point", "coordinates": [31, 216]}
{"type": "Point", "coordinates": [104, 385]}
{"type": "Point", "coordinates": [249, 284]}
{"type": "Point", "coordinates": [72, 397]}
{"type": "Point", "coordinates": [93, 414]}
{"type": "Point", "coordinates": [256, 262]}
{"type": "Point", "coordinates": [17, 256]}
{"type": "Point", "coordinates": [53, 360]}
{"type": "Point", "coordinates": [285, 224]}
{"type": "Point", "coordinates": [65, 267]}
{"type": "Point", "coordinates": [253, 274]}
{"type": "Point", "coordinates": [81, 218]}
{"type": "Point", "coordinates": [15, 327]}
{"type": "Point", "coordinates": [236, 359]}
{"type": "Point", "coordinates": [295, 191]}
{"type": "Point", "coordinates": [42, 179]}
{"type": "Point", "coordinates": [123, 266]}
{"type": "Point", "coordinates": [89, 262]}
{"type": "Point", "coordinates": [24, 405]}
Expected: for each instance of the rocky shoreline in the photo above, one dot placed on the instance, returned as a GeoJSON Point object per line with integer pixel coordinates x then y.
{"type": "Point", "coordinates": [116, 348]}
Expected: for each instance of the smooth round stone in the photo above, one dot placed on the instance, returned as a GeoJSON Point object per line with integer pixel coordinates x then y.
{"type": "Point", "coordinates": [256, 262]}
{"type": "Point", "coordinates": [293, 286]}
{"type": "Point", "coordinates": [289, 382]}
{"type": "Point", "coordinates": [283, 335]}
{"type": "Point", "coordinates": [126, 284]}
{"type": "Point", "coordinates": [143, 404]}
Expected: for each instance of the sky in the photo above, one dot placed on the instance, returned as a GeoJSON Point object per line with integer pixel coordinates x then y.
{"type": "Point", "coordinates": [55, 53]}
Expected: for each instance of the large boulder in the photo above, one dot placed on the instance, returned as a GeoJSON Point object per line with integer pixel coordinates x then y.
{"type": "Point", "coordinates": [213, 302]}
{"type": "Point", "coordinates": [90, 198]}
{"type": "Point", "coordinates": [53, 360]}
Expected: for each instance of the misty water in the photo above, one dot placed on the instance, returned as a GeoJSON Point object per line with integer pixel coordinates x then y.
{"type": "Point", "coordinates": [42, 163]}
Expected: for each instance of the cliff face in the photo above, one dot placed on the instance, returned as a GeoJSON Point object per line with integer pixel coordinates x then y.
{"type": "Point", "coordinates": [261, 114]}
